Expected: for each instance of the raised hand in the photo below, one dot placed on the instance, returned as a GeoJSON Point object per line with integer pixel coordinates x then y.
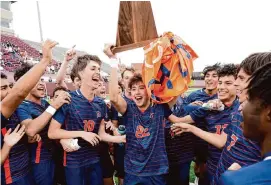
{"type": "Point", "coordinates": [108, 50]}
{"type": "Point", "coordinates": [70, 54]}
{"type": "Point", "coordinates": [47, 47]}
{"type": "Point", "coordinates": [11, 139]}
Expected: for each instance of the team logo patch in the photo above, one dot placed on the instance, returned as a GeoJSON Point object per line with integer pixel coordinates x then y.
{"type": "Point", "coordinates": [142, 132]}
{"type": "Point", "coordinates": [98, 114]}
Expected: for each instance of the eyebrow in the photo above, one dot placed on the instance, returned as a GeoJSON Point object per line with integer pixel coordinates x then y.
{"type": "Point", "coordinates": [4, 86]}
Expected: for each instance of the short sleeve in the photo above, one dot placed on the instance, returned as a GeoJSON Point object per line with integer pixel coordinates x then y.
{"type": "Point", "coordinates": [199, 114]}
{"type": "Point", "coordinates": [114, 113]}
{"type": "Point", "coordinates": [167, 111]}
{"type": "Point", "coordinates": [23, 112]}
{"type": "Point", "coordinates": [61, 113]}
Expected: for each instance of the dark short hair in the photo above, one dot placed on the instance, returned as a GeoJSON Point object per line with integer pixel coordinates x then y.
{"type": "Point", "coordinates": [131, 69]}
{"type": "Point", "coordinates": [59, 89]}
{"type": "Point", "coordinates": [227, 70]}
{"type": "Point", "coordinates": [135, 79]}
{"type": "Point", "coordinates": [3, 76]}
{"type": "Point", "coordinates": [82, 62]}
{"type": "Point", "coordinates": [25, 67]}
{"type": "Point", "coordinates": [255, 61]}
{"type": "Point", "coordinates": [121, 86]}
{"type": "Point", "coordinates": [259, 86]}
{"type": "Point", "coordinates": [214, 67]}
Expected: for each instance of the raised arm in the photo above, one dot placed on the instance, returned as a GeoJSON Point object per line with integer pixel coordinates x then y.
{"type": "Point", "coordinates": [22, 88]}
{"type": "Point", "coordinates": [116, 99]}
{"type": "Point", "coordinates": [60, 78]}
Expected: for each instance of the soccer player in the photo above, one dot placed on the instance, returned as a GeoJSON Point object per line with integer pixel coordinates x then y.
{"type": "Point", "coordinates": [83, 119]}
{"type": "Point", "coordinates": [180, 149]}
{"type": "Point", "coordinates": [16, 168]}
{"type": "Point", "coordinates": [237, 149]}
{"type": "Point", "coordinates": [145, 155]}
{"type": "Point", "coordinates": [35, 113]}
{"type": "Point", "coordinates": [106, 162]}
{"type": "Point", "coordinates": [217, 121]}
{"type": "Point", "coordinates": [256, 126]}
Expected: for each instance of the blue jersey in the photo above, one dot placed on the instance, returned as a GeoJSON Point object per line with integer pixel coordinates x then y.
{"type": "Point", "coordinates": [256, 174]}
{"type": "Point", "coordinates": [199, 95]}
{"type": "Point", "coordinates": [145, 148]}
{"type": "Point", "coordinates": [17, 165]}
{"type": "Point", "coordinates": [42, 150]}
{"type": "Point", "coordinates": [238, 149]}
{"type": "Point", "coordinates": [82, 115]}
{"type": "Point", "coordinates": [180, 149]}
{"type": "Point", "coordinates": [217, 121]}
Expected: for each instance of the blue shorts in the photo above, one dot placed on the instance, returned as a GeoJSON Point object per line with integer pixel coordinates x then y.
{"type": "Point", "coordinates": [43, 172]}
{"type": "Point", "coordinates": [86, 175]}
{"type": "Point", "coordinates": [26, 180]}
{"type": "Point", "coordinates": [179, 174]}
{"type": "Point", "coordinates": [144, 180]}
{"type": "Point", "coordinates": [119, 152]}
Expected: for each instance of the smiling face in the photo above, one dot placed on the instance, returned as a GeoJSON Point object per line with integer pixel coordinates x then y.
{"type": "Point", "coordinates": [101, 90]}
{"type": "Point", "coordinates": [211, 80]}
{"type": "Point", "coordinates": [90, 76]}
{"type": "Point", "coordinates": [139, 95]}
{"type": "Point", "coordinates": [241, 84]}
{"type": "Point", "coordinates": [39, 90]}
{"type": "Point", "coordinates": [226, 89]}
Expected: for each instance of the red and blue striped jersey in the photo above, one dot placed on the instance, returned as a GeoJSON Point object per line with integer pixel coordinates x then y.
{"type": "Point", "coordinates": [82, 115]}
{"type": "Point", "coordinates": [216, 121]}
{"type": "Point", "coordinates": [180, 149]}
{"type": "Point", "coordinates": [17, 165]}
{"type": "Point", "coordinates": [42, 150]}
{"type": "Point", "coordinates": [238, 149]}
{"type": "Point", "coordinates": [145, 147]}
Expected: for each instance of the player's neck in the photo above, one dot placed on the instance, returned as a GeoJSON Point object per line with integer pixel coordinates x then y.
{"type": "Point", "coordinates": [127, 93]}
{"type": "Point", "coordinates": [143, 108]}
{"type": "Point", "coordinates": [211, 92]}
{"type": "Point", "coordinates": [266, 144]}
{"type": "Point", "coordinates": [87, 92]}
{"type": "Point", "coordinates": [229, 102]}
{"type": "Point", "coordinates": [33, 99]}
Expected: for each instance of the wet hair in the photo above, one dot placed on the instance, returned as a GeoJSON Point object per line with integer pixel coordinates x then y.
{"type": "Point", "coordinates": [82, 62]}
{"type": "Point", "coordinates": [25, 67]}
{"type": "Point", "coordinates": [255, 61]}
{"type": "Point", "coordinates": [135, 79]}
{"type": "Point", "coordinates": [227, 70]}
{"type": "Point", "coordinates": [127, 69]}
{"type": "Point", "coordinates": [59, 89]}
{"type": "Point", "coordinates": [3, 76]}
{"type": "Point", "coordinates": [214, 67]}
{"type": "Point", "coordinates": [259, 86]}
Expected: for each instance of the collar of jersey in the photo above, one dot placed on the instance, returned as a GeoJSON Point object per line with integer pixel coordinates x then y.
{"type": "Point", "coordinates": [79, 93]}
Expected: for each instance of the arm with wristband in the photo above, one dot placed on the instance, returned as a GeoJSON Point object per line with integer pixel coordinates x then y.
{"type": "Point", "coordinates": [34, 126]}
